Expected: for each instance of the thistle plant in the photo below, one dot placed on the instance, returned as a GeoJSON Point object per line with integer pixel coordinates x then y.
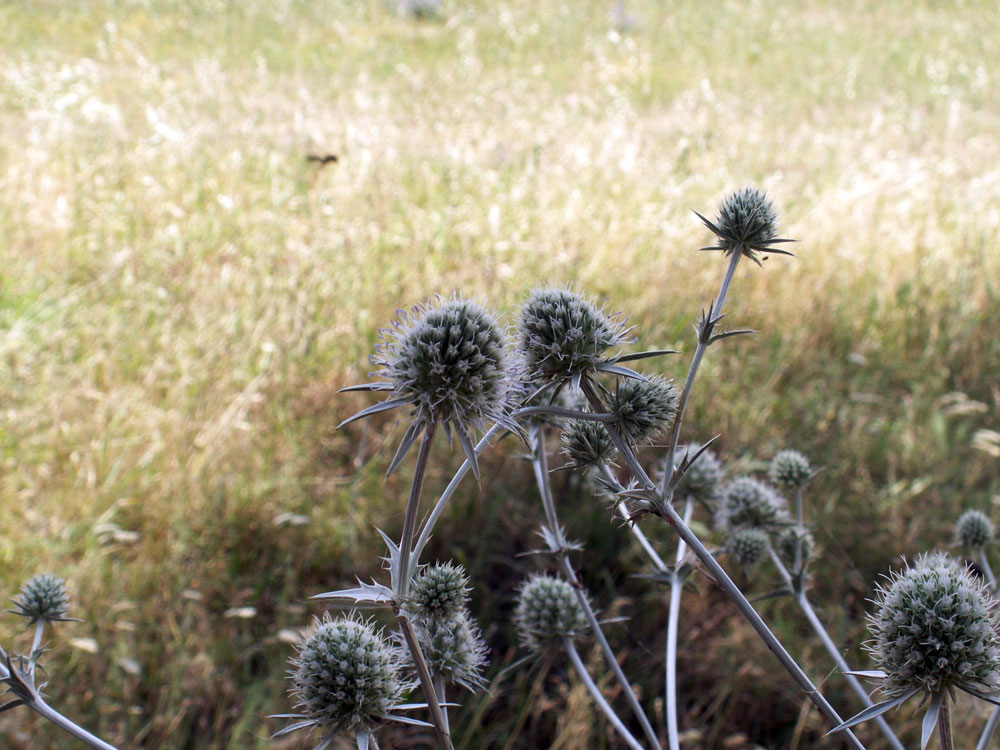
{"type": "Point", "coordinates": [748, 502]}
{"type": "Point", "coordinates": [935, 629]}
{"type": "Point", "coordinates": [440, 592]}
{"type": "Point", "coordinates": [455, 650]}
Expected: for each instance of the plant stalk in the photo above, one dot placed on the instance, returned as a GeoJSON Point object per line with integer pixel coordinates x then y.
{"type": "Point", "coordinates": [673, 619]}
{"type": "Point", "coordinates": [944, 724]}
{"type": "Point", "coordinates": [581, 670]}
{"type": "Point", "coordinates": [46, 711]}
{"type": "Point", "coordinates": [988, 730]}
{"type": "Point", "coordinates": [439, 688]}
{"type": "Point", "coordinates": [412, 509]}
{"type": "Point", "coordinates": [540, 464]}
{"type": "Point", "coordinates": [426, 682]}
{"type": "Point", "coordinates": [987, 570]}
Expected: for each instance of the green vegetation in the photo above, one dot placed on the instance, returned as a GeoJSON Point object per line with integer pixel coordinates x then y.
{"type": "Point", "coordinates": [182, 293]}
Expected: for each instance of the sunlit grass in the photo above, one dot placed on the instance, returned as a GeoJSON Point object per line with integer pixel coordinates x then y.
{"type": "Point", "coordinates": [182, 293]}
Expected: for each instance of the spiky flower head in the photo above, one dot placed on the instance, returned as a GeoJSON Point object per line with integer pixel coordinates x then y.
{"type": "Point", "coordinates": [586, 443]}
{"type": "Point", "coordinates": [644, 408]}
{"type": "Point", "coordinates": [346, 676]}
{"type": "Point", "coordinates": [790, 469]}
{"type": "Point", "coordinates": [785, 543]}
{"type": "Point", "coordinates": [448, 361]}
{"type": "Point", "coordinates": [747, 223]}
{"type": "Point", "coordinates": [747, 545]}
{"type": "Point", "coordinates": [440, 591]}
{"type": "Point", "coordinates": [974, 529]}
{"type": "Point", "coordinates": [703, 479]}
{"type": "Point", "coordinates": [547, 610]}
{"type": "Point", "coordinates": [43, 598]}
{"type": "Point", "coordinates": [455, 649]}
{"type": "Point", "coordinates": [563, 334]}
{"type": "Point", "coordinates": [935, 627]}
{"type": "Point", "coordinates": [749, 502]}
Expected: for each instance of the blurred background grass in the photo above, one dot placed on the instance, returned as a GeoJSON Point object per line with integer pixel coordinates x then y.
{"type": "Point", "coordinates": [182, 293]}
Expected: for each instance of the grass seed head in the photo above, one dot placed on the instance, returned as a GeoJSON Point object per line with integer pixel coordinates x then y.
{"type": "Point", "coordinates": [547, 610]}
{"type": "Point", "coordinates": [974, 529]}
{"type": "Point", "coordinates": [935, 626]}
{"type": "Point", "coordinates": [44, 598]}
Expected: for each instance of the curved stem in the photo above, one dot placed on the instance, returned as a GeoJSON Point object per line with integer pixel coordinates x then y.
{"type": "Point", "coordinates": [831, 648]}
{"type": "Point", "coordinates": [581, 670]}
{"type": "Point", "coordinates": [673, 619]}
{"type": "Point", "coordinates": [49, 713]}
{"type": "Point", "coordinates": [667, 512]}
{"type": "Point", "coordinates": [540, 464]}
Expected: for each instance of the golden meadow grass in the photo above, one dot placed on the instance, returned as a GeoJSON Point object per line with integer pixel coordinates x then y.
{"type": "Point", "coordinates": [182, 292]}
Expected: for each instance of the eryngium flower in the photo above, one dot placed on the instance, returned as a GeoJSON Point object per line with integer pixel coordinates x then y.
{"type": "Point", "coordinates": [455, 649]}
{"type": "Point", "coordinates": [644, 408]}
{"type": "Point", "coordinates": [440, 591]}
{"type": "Point", "coordinates": [935, 627]}
{"type": "Point", "coordinates": [747, 223]}
{"type": "Point", "coordinates": [547, 610]}
{"type": "Point", "coordinates": [564, 334]}
{"type": "Point", "coordinates": [346, 676]}
{"type": "Point", "coordinates": [974, 529]}
{"type": "Point", "coordinates": [790, 469]}
{"type": "Point", "coordinates": [449, 362]}
{"type": "Point", "coordinates": [44, 598]}
{"type": "Point", "coordinates": [703, 479]}
{"type": "Point", "coordinates": [748, 502]}
{"type": "Point", "coordinates": [747, 546]}
{"type": "Point", "coordinates": [785, 545]}
{"type": "Point", "coordinates": [586, 443]}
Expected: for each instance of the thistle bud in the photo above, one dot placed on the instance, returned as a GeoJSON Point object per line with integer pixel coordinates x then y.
{"type": "Point", "coordinates": [346, 675]}
{"type": "Point", "coordinates": [790, 469]}
{"type": "Point", "coordinates": [455, 649]}
{"type": "Point", "coordinates": [746, 224]}
{"type": "Point", "coordinates": [748, 502]}
{"type": "Point", "coordinates": [547, 610]}
{"type": "Point", "coordinates": [586, 443]}
{"type": "Point", "coordinates": [747, 546]}
{"type": "Point", "coordinates": [974, 529]}
{"type": "Point", "coordinates": [44, 599]}
{"type": "Point", "coordinates": [440, 591]}
{"type": "Point", "coordinates": [703, 479]}
{"type": "Point", "coordinates": [563, 334]}
{"type": "Point", "coordinates": [935, 627]}
{"type": "Point", "coordinates": [644, 408]}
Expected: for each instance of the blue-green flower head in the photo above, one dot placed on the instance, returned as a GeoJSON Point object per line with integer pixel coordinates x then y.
{"type": "Point", "coordinates": [440, 591]}
{"type": "Point", "coordinates": [587, 444]}
{"type": "Point", "coordinates": [747, 545]}
{"type": "Point", "coordinates": [563, 334]}
{"type": "Point", "coordinates": [346, 676]}
{"type": "Point", "coordinates": [747, 223]}
{"type": "Point", "coordinates": [547, 611]}
{"type": "Point", "coordinates": [44, 599]}
{"type": "Point", "coordinates": [454, 648]}
{"type": "Point", "coordinates": [935, 627]}
{"type": "Point", "coordinates": [703, 479]}
{"type": "Point", "coordinates": [644, 409]}
{"type": "Point", "coordinates": [974, 529]}
{"type": "Point", "coordinates": [749, 502]}
{"type": "Point", "coordinates": [790, 469]}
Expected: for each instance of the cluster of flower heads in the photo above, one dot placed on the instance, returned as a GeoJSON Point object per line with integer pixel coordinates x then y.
{"type": "Point", "coordinates": [548, 610]}
{"type": "Point", "coordinates": [935, 627]}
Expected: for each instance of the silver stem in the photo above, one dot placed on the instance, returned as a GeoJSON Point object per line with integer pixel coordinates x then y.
{"type": "Point", "coordinates": [540, 464]}
{"type": "Point", "coordinates": [35, 644]}
{"type": "Point", "coordinates": [987, 570]}
{"type": "Point", "coordinates": [412, 508]}
{"type": "Point", "coordinates": [439, 687]}
{"type": "Point", "coordinates": [651, 554]}
{"type": "Point", "coordinates": [988, 730]}
{"type": "Point", "coordinates": [581, 670]}
{"type": "Point", "coordinates": [426, 682]}
{"type": "Point", "coordinates": [46, 711]}
{"type": "Point", "coordinates": [673, 619]}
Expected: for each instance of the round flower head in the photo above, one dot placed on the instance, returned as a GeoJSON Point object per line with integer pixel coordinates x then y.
{"type": "Point", "coordinates": [564, 334]}
{"type": "Point", "coordinates": [547, 610]}
{"type": "Point", "coordinates": [785, 545]}
{"type": "Point", "coordinates": [448, 362]}
{"type": "Point", "coordinates": [746, 224]}
{"type": "Point", "coordinates": [703, 478]}
{"type": "Point", "coordinates": [455, 649]}
{"type": "Point", "coordinates": [440, 591]}
{"type": "Point", "coordinates": [748, 502]}
{"type": "Point", "coordinates": [44, 598]}
{"type": "Point", "coordinates": [934, 628]}
{"type": "Point", "coordinates": [586, 443]}
{"type": "Point", "coordinates": [790, 469]}
{"type": "Point", "coordinates": [974, 529]}
{"type": "Point", "coordinates": [747, 546]}
{"type": "Point", "coordinates": [644, 408]}
{"type": "Point", "coordinates": [346, 676]}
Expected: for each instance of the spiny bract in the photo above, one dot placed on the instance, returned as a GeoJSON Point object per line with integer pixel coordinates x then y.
{"type": "Point", "coordinates": [455, 649]}
{"type": "Point", "coordinates": [547, 610]}
{"type": "Point", "coordinates": [346, 675]}
{"type": "Point", "coordinates": [934, 627]}
{"type": "Point", "coordinates": [974, 529]}
{"type": "Point", "coordinates": [747, 546]}
{"type": "Point", "coordinates": [449, 362]}
{"type": "Point", "coordinates": [440, 591]}
{"type": "Point", "coordinates": [644, 408]}
{"type": "Point", "coordinates": [703, 479]}
{"type": "Point", "coordinates": [790, 469]}
{"type": "Point", "coordinates": [749, 502]}
{"type": "Point", "coordinates": [586, 443]}
{"type": "Point", "coordinates": [747, 223]}
{"type": "Point", "coordinates": [564, 334]}
{"type": "Point", "coordinates": [44, 598]}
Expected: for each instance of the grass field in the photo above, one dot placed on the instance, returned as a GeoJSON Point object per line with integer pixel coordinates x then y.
{"type": "Point", "coordinates": [182, 293]}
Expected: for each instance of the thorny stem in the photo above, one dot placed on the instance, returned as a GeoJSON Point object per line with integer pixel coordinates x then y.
{"type": "Point", "coordinates": [540, 464]}
{"type": "Point", "coordinates": [699, 353]}
{"type": "Point", "coordinates": [47, 712]}
{"type": "Point", "coordinates": [426, 682]}
{"type": "Point", "coordinates": [651, 554]}
{"type": "Point", "coordinates": [412, 508]}
{"type": "Point", "coordinates": [831, 647]}
{"type": "Point", "coordinates": [666, 511]}
{"type": "Point", "coordinates": [581, 670]}
{"type": "Point", "coordinates": [674, 611]}
{"type": "Point", "coordinates": [944, 724]}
